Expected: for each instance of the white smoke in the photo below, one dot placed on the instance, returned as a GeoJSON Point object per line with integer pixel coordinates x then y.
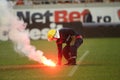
{"type": "Point", "coordinates": [18, 35]}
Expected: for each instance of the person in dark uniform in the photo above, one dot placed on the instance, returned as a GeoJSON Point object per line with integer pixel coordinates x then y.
{"type": "Point", "coordinates": [72, 39]}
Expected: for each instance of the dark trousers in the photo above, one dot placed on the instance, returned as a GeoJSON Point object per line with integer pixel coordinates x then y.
{"type": "Point", "coordinates": [70, 51]}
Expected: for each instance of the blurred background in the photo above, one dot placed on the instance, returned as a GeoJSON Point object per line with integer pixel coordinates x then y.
{"type": "Point", "coordinates": [92, 18]}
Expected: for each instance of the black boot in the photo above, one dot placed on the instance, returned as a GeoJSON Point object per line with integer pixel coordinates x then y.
{"type": "Point", "coordinates": [73, 61]}
{"type": "Point", "coordinates": [68, 63]}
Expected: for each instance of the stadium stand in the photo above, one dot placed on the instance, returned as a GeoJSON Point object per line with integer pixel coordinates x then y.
{"type": "Point", "coordinates": [41, 2]}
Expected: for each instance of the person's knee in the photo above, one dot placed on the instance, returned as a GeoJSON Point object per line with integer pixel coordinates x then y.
{"type": "Point", "coordinates": [73, 50]}
{"type": "Point", "coordinates": [66, 51]}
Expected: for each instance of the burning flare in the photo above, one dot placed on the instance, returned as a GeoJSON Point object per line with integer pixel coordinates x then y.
{"type": "Point", "coordinates": [48, 62]}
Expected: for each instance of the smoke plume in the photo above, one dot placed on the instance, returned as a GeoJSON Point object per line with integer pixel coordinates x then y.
{"type": "Point", "coordinates": [18, 35]}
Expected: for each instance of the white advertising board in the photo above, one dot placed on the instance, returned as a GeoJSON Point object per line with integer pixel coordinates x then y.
{"type": "Point", "coordinates": [40, 20]}
{"type": "Point", "coordinates": [99, 14]}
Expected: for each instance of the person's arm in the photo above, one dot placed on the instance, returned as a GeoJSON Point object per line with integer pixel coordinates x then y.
{"type": "Point", "coordinates": [59, 47]}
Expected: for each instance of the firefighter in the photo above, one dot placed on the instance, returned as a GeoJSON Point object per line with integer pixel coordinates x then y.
{"type": "Point", "coordinates": [72, 40]}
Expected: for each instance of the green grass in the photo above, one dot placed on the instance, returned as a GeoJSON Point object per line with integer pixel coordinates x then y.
{"type": "Point", "coordinates": [101, 63]}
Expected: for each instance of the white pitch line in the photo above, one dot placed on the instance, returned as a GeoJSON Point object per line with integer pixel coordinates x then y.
{"type": "Point", "coordinates": [76, 67]}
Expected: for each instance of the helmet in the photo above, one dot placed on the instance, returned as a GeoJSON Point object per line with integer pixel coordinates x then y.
{"type": "Point", "coordinates": [51, 34]}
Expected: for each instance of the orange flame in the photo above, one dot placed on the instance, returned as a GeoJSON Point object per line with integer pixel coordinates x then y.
{"type": "Point", "coordinates": [48, 62]}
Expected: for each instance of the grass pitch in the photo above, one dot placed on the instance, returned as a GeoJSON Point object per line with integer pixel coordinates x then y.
{"type": "Point", "coordinates": [101, 63]}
